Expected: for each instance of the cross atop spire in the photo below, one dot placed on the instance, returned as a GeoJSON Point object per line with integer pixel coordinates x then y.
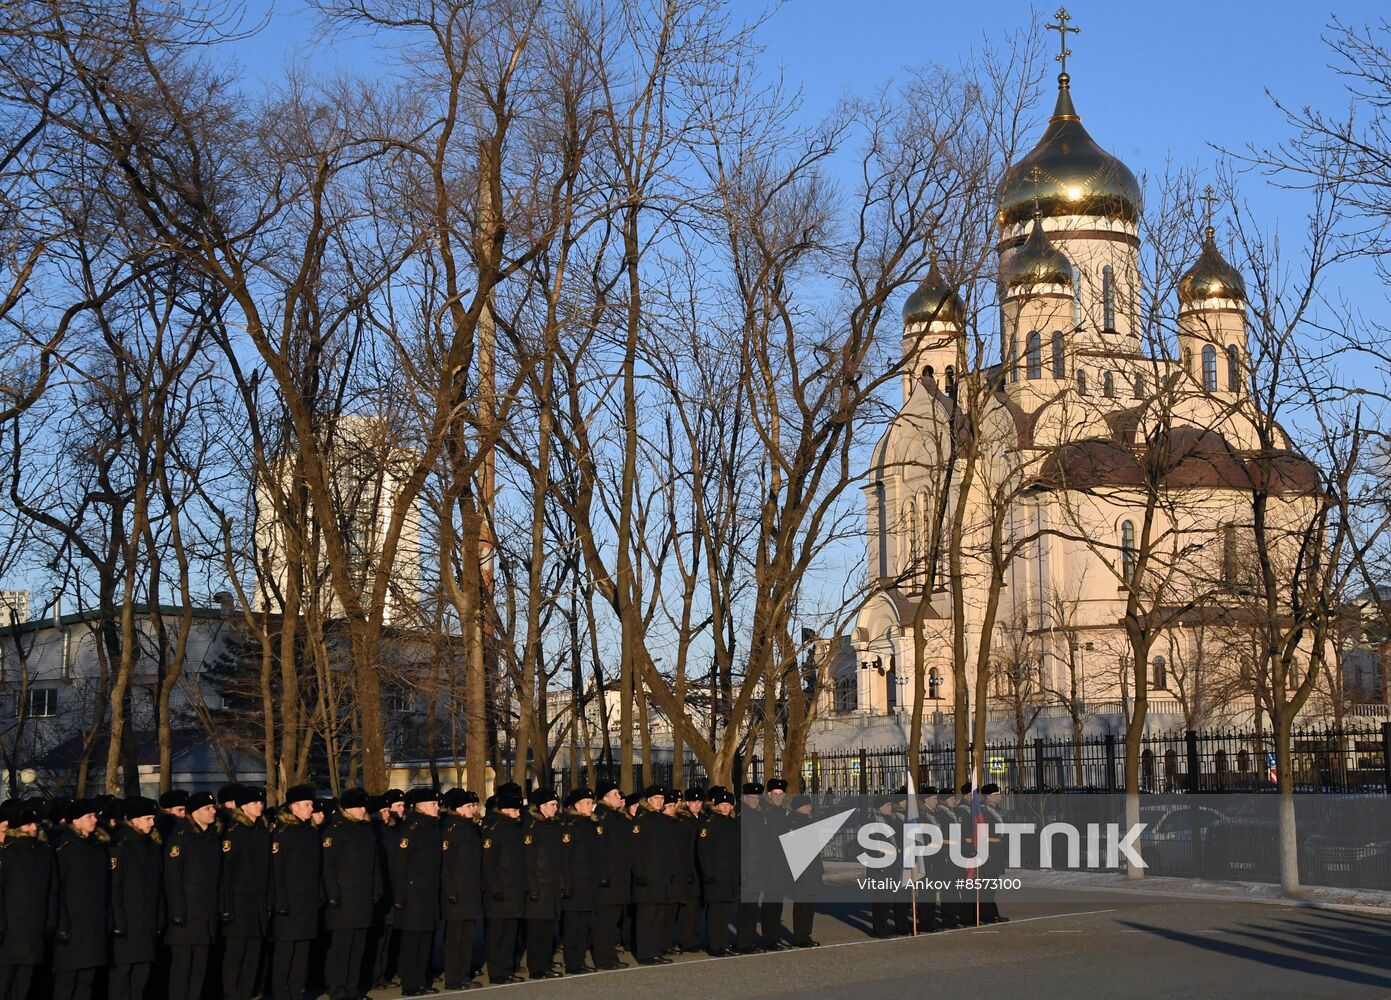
{"type": "Point", "coordinates": [1062, 29]}
{"type": "Point", "coordinates": [1209, 199]}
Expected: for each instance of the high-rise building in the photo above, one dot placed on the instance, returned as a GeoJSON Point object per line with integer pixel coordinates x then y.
{"type": "Point", "coordinates": [14, 607]}
{"type": "Point", "coordinates": [367, 477]}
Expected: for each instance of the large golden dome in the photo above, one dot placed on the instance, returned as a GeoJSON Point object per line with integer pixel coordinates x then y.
{"type": "Point", "coordinates": [1211, 277]}
{"type": "Point", "coordinates": [934, 301]}
{"type": "Point", "coordinates": [1067, 173]}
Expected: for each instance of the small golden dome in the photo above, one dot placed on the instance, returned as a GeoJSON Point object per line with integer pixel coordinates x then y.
{"type": "Point", "coordinates": [934, 301]}
{"type": "Point", "coordinates": [1036, 262]}
{"type": "Point", "coordinates": [1211, 277]}
{"type": "Point", "coordinates": [1067, 173]}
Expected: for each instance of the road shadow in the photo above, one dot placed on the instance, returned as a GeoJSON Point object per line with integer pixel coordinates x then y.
{"type": "Point", "coordinates": [1303, 945]}
{"type": "Point", "coordinates": [853, 915]}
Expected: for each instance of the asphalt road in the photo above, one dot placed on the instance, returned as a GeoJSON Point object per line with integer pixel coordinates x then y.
{"type": "Point", "coordinates": [1120, 946]}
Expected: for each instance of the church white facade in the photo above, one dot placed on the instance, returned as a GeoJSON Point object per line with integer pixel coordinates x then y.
{"type": "Point", "coordinates": [1039, 469]}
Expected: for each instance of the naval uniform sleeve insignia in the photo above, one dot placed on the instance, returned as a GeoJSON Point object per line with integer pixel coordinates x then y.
{"type": "Point", "coordinates": [405, 842]}
{"type": "Point", "coordinates": [328, 841]}
{"type": "Point", "coordinates": [704, 832]}
{"type": "Point", "coordinates": [226, 847]}
{"type": "Point", "coordinates": [487, 843]}
{"type": "Point", "coordinates": [527, 840]}
{"type": "Point", "coordinates": [174, 851]}
{"type": "Point", "coordinates": [275, 847]}
{"type": "Point", "coordinates": [565, 838]}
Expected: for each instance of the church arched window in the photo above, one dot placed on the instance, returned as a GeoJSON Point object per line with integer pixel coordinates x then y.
{"type": "Point", "coordinates": [910, 539]}
{"type": "Point", "coordinates": [1059, 361]}
{"type": "Point", "coordinates": [930, 377]}
{"type": "Point", "coordinates": [934, 683]}
{"type": "Point", "coordinates": [1138, 392]}
{"type": "Point", "coordinates": [1108, 298]}
{"type": "Point", "coordinates": [1233, 369]}
{"type": "Point", "coordinates": [1035, 355]}
{"type": "Point", "coordinates": [1012, 362]}
{"type": "Point", "coordinates": [1210, 368]}
{"type": "Point", "coordinates": [881, 526]}
{"type": "Point", "coordinates": [924, 534]}
{"type": "Point", "coordinates": [1108, 385]}
{"type": "Point", "coordinates": [950, 380]}
{"type": "Point", "coordinates": [1076, 295]}
{"type": "Point", "coordinates": [1082, 381]}
{"type": "Point", "coordinates": [1128, 558]}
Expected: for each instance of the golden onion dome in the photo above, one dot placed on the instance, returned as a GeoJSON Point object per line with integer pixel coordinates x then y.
{"type": "Point", "coordinates": [1036, 262]}
{"type": "Point", "coordinates": [934, 301]}
{"type": "Point", "coordinates": [1067, 173]}
{"type": "Point", "coordinates": [1211, 277]}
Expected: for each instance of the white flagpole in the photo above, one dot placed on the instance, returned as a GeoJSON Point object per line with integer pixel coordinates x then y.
{"type": "Point", "coordinates": [910, 814]}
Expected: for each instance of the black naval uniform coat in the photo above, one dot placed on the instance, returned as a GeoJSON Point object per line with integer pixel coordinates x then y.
{"type": "Point", "coordinates": [28, 898]}
{"type": "Point", "coordinates": [83, 909]}
{"type": "Point", "coordinates": [136, 905]}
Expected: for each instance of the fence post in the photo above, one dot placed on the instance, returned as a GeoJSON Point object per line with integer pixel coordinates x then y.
{"type": "Point", "coordinates": [864, 773]}
{"type": "Point", "coordinates": [1038, 764]}
{"type": "Point", "coordinates": [1194, 782]}
{"type": "Point", "coordinates": [1386, 757]}
{"type": "Point", "coordinates": [1110, 762]}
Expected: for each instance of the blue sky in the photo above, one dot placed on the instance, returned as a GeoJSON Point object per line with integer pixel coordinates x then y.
{"type": "Point", "coordinates": [1153, 81]}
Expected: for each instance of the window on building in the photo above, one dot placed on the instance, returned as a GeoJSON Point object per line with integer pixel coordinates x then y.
{"type": "Point", "coordinates": [846, 695]}
{"type": "Point", "coordinates": [951, 381]}
{"type": "Point", "coordinates": [394, 702]}
{"type": "Point", "coordinates": [1138, 391]}
{"type": "Point", "coordinates": [1128, 556]}
{"type": "Point", "coordinates": [1082, 381]}
{"type": "Point", "coordinates": [1159, 678]}
{"type": "Point", "coordinates": [43, 703]}
{"type": "Point", "coordinates": [1108, 298]}
{"type": "Point", "coordinates": [1059, 361]}
{"type": "Point", "coordinates": [924, 513]}
{"type": "Point", "coordinates": [934, 683]}
{"type": "Point", "coordinates": [930, 377]}
{"type": "Point", "coordinates": [891, 682]}
{"type": "Point", "coordinates": [1210, 368]}
{"type": "Point", "coordinates": [1233, 369]}
{"type": "Point", "coordinates": [1035, 355]}
{"type": "Point", "coordinates": [910, 539]}
{"type": "Point", "coordinates": [1108, 385]}
{"type": "Point", "coordinates": [1076, 295]}
{"type": "Point", "coordinates": [1229, 555]}
{"type": "Point", "coordinates": [1012, 362]}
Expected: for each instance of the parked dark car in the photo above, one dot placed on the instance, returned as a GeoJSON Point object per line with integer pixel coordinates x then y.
{"type": "Point", "coordinates": [1243, 848]}
{"type": "Point", "coordinates": [1167, 841]}
{"type": "Point", "coordinates": [1351, 845]}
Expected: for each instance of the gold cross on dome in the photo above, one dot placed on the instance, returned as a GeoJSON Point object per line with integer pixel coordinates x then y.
{"type": "Point", "coordinates": [1035, 175]}
{"type": "Point", "coordinates": [1062, 29]}
{"type": "Point", "coordinates": [1209, 199]}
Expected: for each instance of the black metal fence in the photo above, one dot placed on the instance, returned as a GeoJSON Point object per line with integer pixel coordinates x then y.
{"type": "Point", "coordinates": [1324, 760]}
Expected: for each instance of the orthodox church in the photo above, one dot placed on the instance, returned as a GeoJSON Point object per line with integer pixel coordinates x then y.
{"type": "Point", "coordinates": [1057, 490]}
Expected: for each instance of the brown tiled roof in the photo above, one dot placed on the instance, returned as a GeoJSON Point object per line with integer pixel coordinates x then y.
{"type": "Point", "coordinates": [1186, 458]}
